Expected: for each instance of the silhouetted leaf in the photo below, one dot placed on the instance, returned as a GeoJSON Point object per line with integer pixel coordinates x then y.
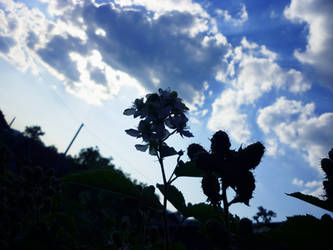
{"type": "Point", "coordinates": [133, 132]}
{"type": "Point", "coordinates": [312, 200]}
{"type": "Point", "coordinates": [189, 169]}
{"type": "Point", "coordinates": [167, 151]}
{"type": "Point", "coordinates": [152, 150]}
{"type": "Point", "coordinates": [142, 148]}
{"type": "Point", "coordinates": [187, 133]}
{"type": "Point", "coordinates": [129, 111]}
{"type": "Point", "coordinates": [201, 211]}
{"type": "Point", "coordinates": [175, 197]}
{"type": "Point", "coordinates": [104, 179]}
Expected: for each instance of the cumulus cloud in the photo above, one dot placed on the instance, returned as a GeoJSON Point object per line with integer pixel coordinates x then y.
{"type": "Point", "coordinates": [317, 15]}
{"type": "Point", "coordinates": [157, 44]}
{"type": "Point", "coordinates": [314, 188]}
{"type": "Point", "coordinates": [239, 19]}
{"type": "Point", "coordinates": [296, 124]}
{"type": "Point", "coordinates": [252, 72]}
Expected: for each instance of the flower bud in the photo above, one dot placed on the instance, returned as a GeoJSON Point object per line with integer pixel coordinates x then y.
{"type": "Point", "coordinates": [211, 188]}
{"type": "Point", "coordinates": [220, 143]}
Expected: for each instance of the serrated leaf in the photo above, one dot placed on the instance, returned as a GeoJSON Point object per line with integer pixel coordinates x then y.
{"type": "Point", "coordinates": [167, 151]}
{"type": "Point", "coordinates": [189, 169]}
{"type": "Point", "coordinates": [175, 197]}
{"type": "Point", "coordinates": [129, 111]}
{"type": "Point", "coordinates": [133, 132]}
{"type": "Point", "coordinates": [312, 200]}
{"type": "Point", "coordinates": [142, 147]}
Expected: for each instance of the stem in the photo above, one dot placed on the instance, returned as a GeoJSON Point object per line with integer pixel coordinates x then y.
{"type": "Point", "coordinates": [225, 205]}
{"type": "Point", "coordinates": [169, 135]}
{"type": "Point", "coordinates": [165, 221]}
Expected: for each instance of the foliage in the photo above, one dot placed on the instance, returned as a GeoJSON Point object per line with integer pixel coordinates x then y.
{"type": "Point", "coordinates": [92, 159]}
{"type": "Point", "coordinates": [327, 167]}
{"type": "Point", "coordinates": [222, 168]}
{"type": "Point", "coordinates": [29, 211]}
{"type": "Point", "coordinates": [264, 216]}
{"type": "Point", "coordinates": [115, 182]}
{"type": "Point", "coordinates": [33, 132]}
{"type": "Point", "coordinates": [304, 232]}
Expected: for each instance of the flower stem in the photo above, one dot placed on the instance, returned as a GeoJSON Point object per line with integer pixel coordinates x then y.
{"type": "Point", "coordinates": [165, 221]}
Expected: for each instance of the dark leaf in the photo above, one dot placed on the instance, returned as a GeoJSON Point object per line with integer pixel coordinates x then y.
{"type": "Point", "coordinates": [142, 148]}
{"type": "Point", "coordinates": [133, 132]}
{"type": "Point", "coordinates": [187, 133]}
{"type": "Point", "coordinates": [152, 150]}
{"type": "Point", "coordinates": [189, 169]}
{"type": "Point", "coordinates": [129, 111]}
{"type": "Point", "coordinates": [167, 151]}
{"type": "Point", "coordinates": [313, 200]}
{"type": "Point", "coordinates": [202, 212]}
{"type": "Point", "coordinates": [175, 197]}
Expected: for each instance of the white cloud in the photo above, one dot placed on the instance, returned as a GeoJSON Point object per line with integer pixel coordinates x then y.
{"type": "Point", "coordinates": [272, 147]}
{"type": "Point", "coordinates": [314, 188]}
{"type": "Point", "coordinates": [297, 125]}
{"type": "Point", "coordinates": [317, 14]}
{"type": "Point", "coordinates": [172, 44]}
{"type": "Point", "coordinates": [298, 182]}
{"type": "Point", "coordinates": [252, 72]}
{"type": "Point", "coordinates": [239, 19]}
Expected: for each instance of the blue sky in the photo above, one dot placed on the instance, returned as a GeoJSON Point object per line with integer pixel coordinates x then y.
{"type": "Point", "coordinates": [260, 70]}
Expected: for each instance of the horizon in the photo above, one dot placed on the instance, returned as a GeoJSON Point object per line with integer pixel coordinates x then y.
{"type": "Point", "coordinates": [259, 71]}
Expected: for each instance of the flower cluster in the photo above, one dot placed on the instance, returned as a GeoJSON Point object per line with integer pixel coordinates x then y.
{"type": "Point", "coordinates": [161, 114]}
{"type": "Point", "coordinates": [228, 168]}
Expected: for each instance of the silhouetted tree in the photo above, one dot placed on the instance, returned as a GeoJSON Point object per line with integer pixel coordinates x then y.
{"type": "Point", "coordinates": [33, 132]}
{"type": "Point", "coordinates": [264, 216]}
{"type": "Point", "coordinates": [91, 158]}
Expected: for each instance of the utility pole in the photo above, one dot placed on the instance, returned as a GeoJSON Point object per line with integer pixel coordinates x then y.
{"type": "Point", "coordinates": [78, 131]}
{"type": "Point", "coordinates": [11, 123]}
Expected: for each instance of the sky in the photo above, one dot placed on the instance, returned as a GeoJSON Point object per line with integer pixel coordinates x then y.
{"type": "Point", "coordinates": [259, 70]}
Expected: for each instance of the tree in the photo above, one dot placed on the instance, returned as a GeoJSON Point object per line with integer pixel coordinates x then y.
{"type": "Point", "coordinates": [33, 132]}
{"type": "Point", "coordinates": [91, 158]}
{"type": "Point", "coordinates": [264, 216]}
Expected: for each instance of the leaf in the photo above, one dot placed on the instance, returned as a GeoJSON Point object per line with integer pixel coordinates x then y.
{"type": "Point", "coordinates": [312, 200]}
{"type": "Point", "coordinates": [175, 197]}
{"type": "Point", "coordinates": [129, 111]}
{"type": "Point", "coordinates": [152, 150]}
{"type": "Point", "coordinates": [142, 148]}
{"type": "Point", "coordinates": [187, 133]}
{"type": "Point", "coordinates": [167, 151]}
{"type": "Point", "coordinates": [202, 212]}
{"type": "Point", "coordinates": [189, 169]}
{"type": "Point", "coordinates": [133, 132]}
{"type": "Point", "coordinates": [111, 181]}
{"type": "Point", "coordinates": [105, 179]}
